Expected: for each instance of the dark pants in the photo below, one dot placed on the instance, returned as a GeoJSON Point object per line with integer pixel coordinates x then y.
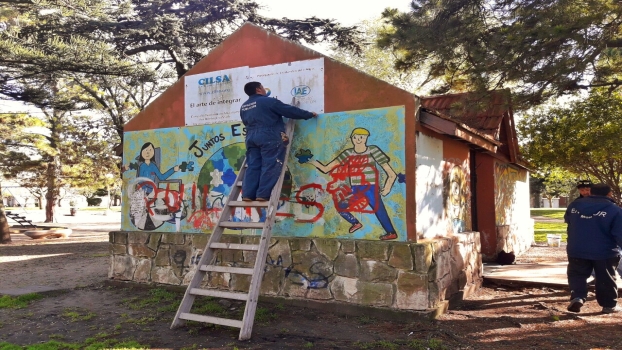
{"type": "Point", "coordinates": [265, 152]}
{"type": "Point", "coordinates": [579, 271]}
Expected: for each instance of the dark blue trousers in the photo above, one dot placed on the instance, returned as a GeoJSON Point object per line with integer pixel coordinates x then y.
{"type": "Point", "coordinates": [265, 152]}
{"type": "Point", "coordinates": [605, 270]}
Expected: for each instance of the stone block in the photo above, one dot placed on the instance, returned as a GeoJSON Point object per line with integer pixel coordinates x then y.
{"type": "Point", "coordinates": [319, 294]}
{"type": "Point", "coordinates": [140, 250]}
{"type": "Point", "coordinates": [143, 271]}
{"type": "Point", "coordinates": [300, 244]}
{"type": "Point", "coordinates": [272, 282]}
{"type": "Point", "coordinates": [373, 250]}
{"type": "Point", "coordinates": [377, 271]}
{"type": "Point", "coordinates": [164, 275]}
{"type": "Point", "coordinates": [154, 241]}
{"type": "Point", "coordinates": [293, 287]}
{"type": "Point", "coordinates": [348, 246]}
{"type": "Point", "coordinates": [401, 257]}
{"type": "Point", "coordinates": [219, 280]}
{"type": "Point", "coordinates": [181, 259]}
{"type": "Point", "coordinates": [173, 238]}
{"type": "Point", "coordinates": [236, 238]}
{"type": "Point", "coordinates": [279, 254]}
{"type": "Point", "coordinates": [138, 237]}
{"type": "Point", "coordinates": [117, 249]}
{"type": "Point", "coordinates": [422, 253]}
{"type": "Point", "coordinates": [441, 245]}
{"type": "Point", "coordinates": [364, 293]}
{"type": "Point", "coordinates": [347, 265]}
{"type": "Point", "coordinates": [240, 283]}
{"type": "Point", "coordinates": [311, 268]}
{"type": "Point", "coordinates": [122, 267]}
{"type": "Point", "coordinates": [199, 241]}
{"type": "Point", "coordinates": [434, 295]}
{"type": "Point", "coordinates": [111, 237]}
{"type": "Point", "coordinates": [327, 247]}
{"type": "Point", "coordinates": [412, 291]}
{"type": "Point", "coordinates": [120, 237]}
{"type": "Point", "coordinates": [163, 257]}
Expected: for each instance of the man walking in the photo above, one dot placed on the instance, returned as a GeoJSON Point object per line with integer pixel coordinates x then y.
{"type": "Point", "coordinates": [594, 233]}
{"type": "Point", "coordinates": [265, 140]}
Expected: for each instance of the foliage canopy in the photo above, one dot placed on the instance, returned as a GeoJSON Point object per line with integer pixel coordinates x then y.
{"type": "Point", "coordinates": [540, 49]}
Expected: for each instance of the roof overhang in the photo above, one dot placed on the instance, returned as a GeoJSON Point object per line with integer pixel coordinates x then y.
{"type": "Point", "coordinates": [445, 126]}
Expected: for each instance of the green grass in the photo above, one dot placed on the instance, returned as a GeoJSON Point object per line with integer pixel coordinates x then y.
{"type": "Point", "coordinates": [18, 302]}
{"type": "Point", "coordinates": [75, 316]}
{"type": "Point", "coordinates": [157, 296]}
{"type": "Point", "coordinates": [548, 213]}
{"type": "Point", "coordinates": [541, 229]}
{"type": "Point", "coordinates": [89, 344]}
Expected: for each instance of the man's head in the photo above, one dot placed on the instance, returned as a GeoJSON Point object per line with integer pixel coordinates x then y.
{"type": "Point", "coordinates": [359, 136]}
{"type": "Point", "coordinates": [584, 187]}
{"type": "Point", "coordinates": [254, 87]}
{"type": "Point", "coordinates": [601, 189]}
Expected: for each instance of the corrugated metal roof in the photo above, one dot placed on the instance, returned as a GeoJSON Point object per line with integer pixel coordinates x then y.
{"type": "Point", "coordinates": [481, 111]}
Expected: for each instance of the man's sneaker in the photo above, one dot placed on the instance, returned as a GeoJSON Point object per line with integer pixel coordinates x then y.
{"type": "Point", "coordinates": [576, 304]}
{"type": "Point", "coordinates": [611, 310]}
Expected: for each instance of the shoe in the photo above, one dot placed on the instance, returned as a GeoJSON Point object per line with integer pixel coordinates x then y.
{"type": "Point", "coordinates": [355, 227]}
{"type": "Point", "coordinates": [611, 310]}
{"type": "Point", "coordinates": [247, 199]}
{"type": "Point", "coordinates": [388, 236]}
{"type": "Point", "coordinates": [259, 199]}
{"type": "Point", "coordinates": [575, 305]}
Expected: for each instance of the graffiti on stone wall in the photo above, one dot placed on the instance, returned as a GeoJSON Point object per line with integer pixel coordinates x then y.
{"type": "Point", "coordinates": [359, 194]}
{"type": "Point", "coordinates": [506, 178]}
{"type": "Point", "coordinates": [456, 196]}
{"type": "Point", "coordinates": [316, 276]}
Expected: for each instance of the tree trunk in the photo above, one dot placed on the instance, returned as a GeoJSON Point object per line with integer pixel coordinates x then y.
{"type": "Point", "coordinates": [52, 193]}
{"type": "Point", "coordinates": [5, 231]}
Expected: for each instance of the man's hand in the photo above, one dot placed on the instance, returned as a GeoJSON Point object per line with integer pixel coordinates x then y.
{"type": "Point", "coordinates": [176, 168]}
{"type": "Point", "coordinates": [314, 114]}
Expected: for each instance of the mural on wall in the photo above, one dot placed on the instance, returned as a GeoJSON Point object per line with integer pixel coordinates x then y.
{"type": "Point", "coordinates": [457, 195]}
{"type": "Point", "coordinates": [511, 193]}
{"type": "Point", "coordinates": [344, 177]}
{"type": "Point", "coordinates": [443, 190]}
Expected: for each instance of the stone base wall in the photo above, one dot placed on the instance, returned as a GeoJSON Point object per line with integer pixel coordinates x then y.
{"type": "Point", "coordinates": [515, 238]}
{"type": "Point", "coordinates": [399, 275]}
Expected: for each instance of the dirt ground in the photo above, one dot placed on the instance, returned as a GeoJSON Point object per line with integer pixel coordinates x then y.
{"type": "Point", "coordinates": [89, 309]}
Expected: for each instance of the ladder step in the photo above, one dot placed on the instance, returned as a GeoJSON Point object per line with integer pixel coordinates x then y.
{"type": "Point", "coordinates": [229, 269]}
{"type": "Point", "coordinates": [219, 294]}
{"type": "Point", "coordinates": [231, 224]}
{"type": "Point", "coordinates": [239, 183]}
{"type": "Point", "coordinates": [234, 246]}
{"type": "Point", "coordinates": [249, 204]}
{"type": "Point", "coordinates": [211, 319]}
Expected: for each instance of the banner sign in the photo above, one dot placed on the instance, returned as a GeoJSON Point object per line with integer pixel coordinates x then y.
{"type": "Point", "coordinates": [216, 97]}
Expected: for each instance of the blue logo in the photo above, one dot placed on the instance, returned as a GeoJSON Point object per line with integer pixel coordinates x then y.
{"type": "Point", "coordinates": [301, 90]}
{"type": "Point", "coordinates": [215, 80]}
{"type": "Point", "coordinates": [268, 92]}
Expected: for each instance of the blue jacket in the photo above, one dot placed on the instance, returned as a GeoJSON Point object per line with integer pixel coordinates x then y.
{"type": "Point", "coordinates": [260, 112]}
{"type": "Point", "coordinates": [594, 228]}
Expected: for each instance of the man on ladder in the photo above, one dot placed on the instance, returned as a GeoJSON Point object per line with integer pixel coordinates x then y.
{"type": "Point", "coordinates": [266, 140]}
{"type": "Point", "coordinates": [267, 143]}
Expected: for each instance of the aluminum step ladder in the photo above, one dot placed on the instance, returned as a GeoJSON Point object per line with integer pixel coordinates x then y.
{"type": "Point", "coordinates": [206, 265]}
{"type": "Point", "coordinates": [22, 220]}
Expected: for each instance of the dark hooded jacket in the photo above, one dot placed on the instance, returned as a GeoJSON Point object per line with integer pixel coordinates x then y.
{"type": "Point", "coordinates": [262, 112]}
{"type": "Point", "coordinates": [594, 228]}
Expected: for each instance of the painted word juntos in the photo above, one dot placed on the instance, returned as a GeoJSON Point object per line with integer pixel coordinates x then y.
{"type": "Point", "coordinates": [215, 80]}
{"type": "Point", "coordinates": [206, 146]}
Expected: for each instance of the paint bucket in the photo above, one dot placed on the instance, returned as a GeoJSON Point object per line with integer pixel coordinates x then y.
{"type": "Point", "coordinates": [554, 240]}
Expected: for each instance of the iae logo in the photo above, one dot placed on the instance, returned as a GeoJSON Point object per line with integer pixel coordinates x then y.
{"type": "Point", "coordinates": [301, 90]}
{"type": "Point", "coordinates": [215, 80]}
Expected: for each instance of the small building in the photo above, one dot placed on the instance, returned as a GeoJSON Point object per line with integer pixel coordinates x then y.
{"type": "Point", "coordinates": [444, 188]}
